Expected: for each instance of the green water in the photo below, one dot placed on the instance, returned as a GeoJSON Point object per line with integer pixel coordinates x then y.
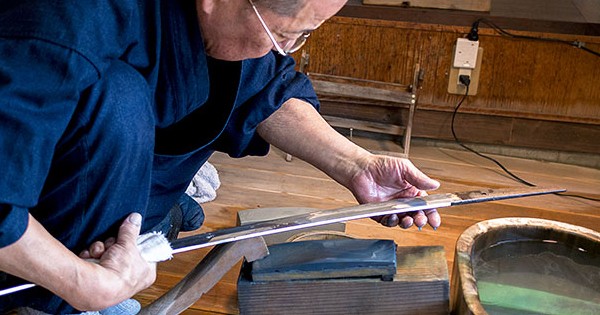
{"type": "Point", "coordinates": [538, 277]}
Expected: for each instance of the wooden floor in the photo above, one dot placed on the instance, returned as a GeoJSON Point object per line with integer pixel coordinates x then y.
{"type": "Point", "coordinates": [270, 181]}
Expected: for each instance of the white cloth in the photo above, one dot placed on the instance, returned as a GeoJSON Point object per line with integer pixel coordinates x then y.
{"type": "Point", "coordinates": [154, 247]}
{"type": "Point", "coordinates": [204, 185]}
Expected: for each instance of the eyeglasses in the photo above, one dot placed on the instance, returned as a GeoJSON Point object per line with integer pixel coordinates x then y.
{"type": "Point", "coordinates": [291, 46]}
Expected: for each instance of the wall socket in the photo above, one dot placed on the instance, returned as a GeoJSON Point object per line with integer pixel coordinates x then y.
{"type": "Point", "coordinates": [465, 53]}
{"type": "Point", "coordinates": [466, 59]}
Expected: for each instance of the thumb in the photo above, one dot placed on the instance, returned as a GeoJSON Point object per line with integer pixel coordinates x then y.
{"type": "Point", "coordinates": [130, 229]}
{"type": "Point", "coordinates": [418, 179]}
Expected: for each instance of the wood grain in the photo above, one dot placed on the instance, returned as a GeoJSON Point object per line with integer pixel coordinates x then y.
{"type": "Point", "coordinates": [525, 86]}
{"type": "Point", "coordinates": [420, 285]}
{"type": "Point", "coordinates": [205, 275]}
{"type": "Point", "coordinates": [534, 22]}
{"type": "Point", "coordinates": [523, 78]}
{"type": "Point", "coordinates": [255, 182]}
{"type": "Point", "coordinates": [472, 5]}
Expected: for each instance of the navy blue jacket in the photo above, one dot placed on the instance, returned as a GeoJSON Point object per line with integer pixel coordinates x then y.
{"type": "Point", "coordinates": [106, 108]}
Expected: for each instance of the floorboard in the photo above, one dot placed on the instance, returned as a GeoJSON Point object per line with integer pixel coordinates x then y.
{"type": "Point", "coordinates": [270, 181]}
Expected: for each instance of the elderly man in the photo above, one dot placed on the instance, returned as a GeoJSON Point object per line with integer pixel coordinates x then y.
{"type": "Point", "coordinates": [107, 110]}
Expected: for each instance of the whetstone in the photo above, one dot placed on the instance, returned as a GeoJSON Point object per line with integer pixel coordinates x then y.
{"type": "Point", "coordinates": [327, 259]}
{"type": "Point", "coordinates": [420, 286]}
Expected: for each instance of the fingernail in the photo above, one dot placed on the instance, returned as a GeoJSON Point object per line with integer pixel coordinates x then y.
{"type": "Point", "coordinates": [435, 228]}
{"type": "Point", "coordinates": [135, 219]}
{"type": "Point", "coordinates": [420, 228]}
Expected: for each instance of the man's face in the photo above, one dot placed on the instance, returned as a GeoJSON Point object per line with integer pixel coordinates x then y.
{"type": "Point", "coordinates": [242, 36]}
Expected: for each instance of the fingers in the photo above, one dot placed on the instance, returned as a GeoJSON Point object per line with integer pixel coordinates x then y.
{"type": "Point", "coordinates": [418, 218]}
{"type": "Point", "coordinates": [434, 219]}
{"type": "Point", "coordinates": [128, 233]}
{"type": "Point", "coordinates": [97, 249]}
{"type": "Point", "coordinates": [391, 220]}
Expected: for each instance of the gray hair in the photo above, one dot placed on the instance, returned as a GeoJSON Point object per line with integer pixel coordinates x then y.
{"type": "Point", "coordinates": [282, 7]}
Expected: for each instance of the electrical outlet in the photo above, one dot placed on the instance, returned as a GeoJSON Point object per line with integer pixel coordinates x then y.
{"type": "Point", "coordinates": [454, 86]}
{"type": "Point", "coordinates": [465, 53]}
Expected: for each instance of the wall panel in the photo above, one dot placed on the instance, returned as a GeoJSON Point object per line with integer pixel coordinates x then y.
{"type": "Point", "coordinates": [521, 79]}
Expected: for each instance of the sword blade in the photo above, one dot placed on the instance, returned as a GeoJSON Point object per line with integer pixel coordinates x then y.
{"type": "Point", "coordinates": [322, 217]}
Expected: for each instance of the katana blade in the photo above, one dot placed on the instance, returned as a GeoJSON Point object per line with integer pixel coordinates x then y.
{"type": "Point", "coordinates": [323, 217]}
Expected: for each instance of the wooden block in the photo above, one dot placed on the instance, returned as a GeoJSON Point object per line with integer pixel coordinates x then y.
{"type": "Point", "coordinates": [469, 5]}
{"type": "Point", "coordinates": [266, 214]}
{"type": "Point", "coordinates": [205, 275]}
{"type": "Point", "coordinates": [327, 259]}
{"type": "Point", "coordinates": [420, 286]}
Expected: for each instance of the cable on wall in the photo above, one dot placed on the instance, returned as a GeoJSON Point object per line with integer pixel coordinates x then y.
{"type": "Point", "coordinates": [465, 80]}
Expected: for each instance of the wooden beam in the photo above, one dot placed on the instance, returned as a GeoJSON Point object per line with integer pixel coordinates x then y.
{"type": "Point", "coordinates": [469, 5]}
{"type": "Point", "coordinates": [370, 126]}
{"type": "Point", "coordinates": [206, 274]}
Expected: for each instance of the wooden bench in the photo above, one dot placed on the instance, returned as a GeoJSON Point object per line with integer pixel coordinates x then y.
{"type": "Point", "coordinates": [345, 92]}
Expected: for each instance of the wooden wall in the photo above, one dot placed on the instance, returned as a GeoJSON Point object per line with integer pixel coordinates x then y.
{"type": "Point", "coordinates": [534, 94]}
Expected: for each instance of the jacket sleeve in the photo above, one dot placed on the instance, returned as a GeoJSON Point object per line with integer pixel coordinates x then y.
{"type": "Point", "coordinates": [39, 89]}
{"type": "Point", "coordinates": [266, 84]}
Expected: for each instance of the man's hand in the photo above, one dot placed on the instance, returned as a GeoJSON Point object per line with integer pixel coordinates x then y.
{"type": "Point", "coordinates": [40, 258]}
{"type": "Point", "coordinates": [121, 262]}
{"type": "Point", "coordinates": [298, 129]}
{"type": "Point", "coordinates": [383, 178]}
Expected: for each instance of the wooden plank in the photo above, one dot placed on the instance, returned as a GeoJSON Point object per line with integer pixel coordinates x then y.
{"type": "Point", "coordinates": [560, 135]}
{"type": "Point", "coordinates": [500, 129]}
{"type": "Point", "coordinates": [402, 88]}
{"type": "Point", "coordinates": [426, 18]}
{"type": "Point", "coordinates": [469, 5]}
{"type": "Point", "coordinates": [364, 125]}
{"type": "Point", "coordinates": [550, 10]}
{"type": "Point", "coordinates": [361, 92]}
{"type": "Point", "coordinates": [365, 111]}
{"type": "Point", "coordinates": [590, 9]}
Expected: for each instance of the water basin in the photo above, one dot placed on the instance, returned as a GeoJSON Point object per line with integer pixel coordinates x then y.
{"type": "Point", "coordinates": [526, 266]}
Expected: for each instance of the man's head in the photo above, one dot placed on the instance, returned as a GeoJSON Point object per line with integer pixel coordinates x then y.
{"type": "Point", "coordinates": [282, 7]}
{"type": "Point", "coordinates": [239, 29]}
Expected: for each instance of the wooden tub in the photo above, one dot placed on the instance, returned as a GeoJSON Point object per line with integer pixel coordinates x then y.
{"type": "Point", "coordinates": [468, 298]}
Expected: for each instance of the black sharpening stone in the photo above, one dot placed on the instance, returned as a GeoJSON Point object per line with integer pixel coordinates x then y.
{"type": "Point", "coordinates": [327, 259]}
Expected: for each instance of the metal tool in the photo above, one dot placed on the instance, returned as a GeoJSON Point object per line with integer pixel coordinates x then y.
{"type": "Point", "coordinates": [323, 217]}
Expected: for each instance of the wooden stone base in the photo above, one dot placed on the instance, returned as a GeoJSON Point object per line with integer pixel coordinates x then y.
{"type": "Point", "coordinates": [420, 286]}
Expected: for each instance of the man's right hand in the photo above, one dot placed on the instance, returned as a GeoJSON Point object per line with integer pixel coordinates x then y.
{"type": "Point", "coordinates": [121, 261]}
{"type": "Point", "coordinates": [40, 258]}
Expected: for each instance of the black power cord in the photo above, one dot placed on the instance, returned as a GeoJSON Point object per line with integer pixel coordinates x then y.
{"type": "Point", "coordinates": [473, 35]}
{"type": "Point", "coordinates": [466, 81]}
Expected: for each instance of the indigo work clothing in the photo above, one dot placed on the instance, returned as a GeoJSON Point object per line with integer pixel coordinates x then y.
{"type": "Point", "coordinates": [106, 109]}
